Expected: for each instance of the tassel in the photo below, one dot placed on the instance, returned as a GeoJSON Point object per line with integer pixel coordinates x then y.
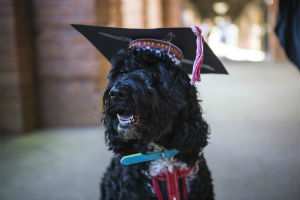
{"type": "Point", "coordinates": [199, 55]}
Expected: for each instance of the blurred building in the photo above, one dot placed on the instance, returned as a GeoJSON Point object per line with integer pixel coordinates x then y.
{"type": "Point", "coordinates": [50, 76]}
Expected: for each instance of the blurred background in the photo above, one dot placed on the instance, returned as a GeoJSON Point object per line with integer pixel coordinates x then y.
{"type": "Point", "coordinates": [52, 80]}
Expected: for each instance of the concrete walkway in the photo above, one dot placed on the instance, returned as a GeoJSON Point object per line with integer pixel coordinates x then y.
{"type": "Point", "coordinates": [254, 150]}
{"type": "Point", "coordinates": [255, 120]}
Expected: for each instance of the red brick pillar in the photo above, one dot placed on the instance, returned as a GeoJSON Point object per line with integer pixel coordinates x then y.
{"type": "Point", "coordinates": [172, 10]}
{"type": "Point", "coordinates": [133, 13]}
{"type": "Point", "coordinates": [26, 52]}
{"type": "Point", "coordinates": [275, 49]}
{"type": "Point", "coordinates": [153, 14]}
{"type": "Point", "coordinates": [10, 95]}
{"type": "Point", "coordinates": [108, 14]}
{"type": "Point", "coordinates": [68, 65]}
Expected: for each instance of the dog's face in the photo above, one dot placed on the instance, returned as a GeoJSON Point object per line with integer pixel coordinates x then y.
{"type": "Point", "coordinates": [150, 100]}
{"type": "Point", "coordinates": [145, 95]}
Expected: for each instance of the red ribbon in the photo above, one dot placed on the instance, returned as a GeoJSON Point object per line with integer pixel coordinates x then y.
{"type": "Point", "coordinates": [199, 55]}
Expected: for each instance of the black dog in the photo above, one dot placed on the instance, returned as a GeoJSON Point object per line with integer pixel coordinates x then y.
{"type": "Point", "coordinates": [149, 104]}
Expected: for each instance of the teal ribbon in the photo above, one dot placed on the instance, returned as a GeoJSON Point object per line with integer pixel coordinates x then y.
{"type": "Point", "coordinates": [139, 157]}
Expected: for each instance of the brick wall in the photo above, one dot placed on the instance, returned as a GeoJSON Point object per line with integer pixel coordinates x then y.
{"type": "Point", "coordinates": [68, 66]}
{"type": "Point", "coordinates": [50, 75]}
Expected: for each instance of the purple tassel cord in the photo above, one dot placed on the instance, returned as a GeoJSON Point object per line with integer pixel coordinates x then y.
{"type": "Point", "coordinates": [199, 55]}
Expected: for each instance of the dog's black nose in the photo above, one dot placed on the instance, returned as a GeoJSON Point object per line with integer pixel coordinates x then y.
{"type": "Point", "coordinates": [121, 93]}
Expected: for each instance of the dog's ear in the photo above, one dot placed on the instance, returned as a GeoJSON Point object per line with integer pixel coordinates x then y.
{"type": "Point", "coordinates": [191, 130]}
{"type": "Point", "coordinates": [191, 134]}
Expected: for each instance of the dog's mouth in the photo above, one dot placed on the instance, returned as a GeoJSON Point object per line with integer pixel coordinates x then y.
{"type": "Point", "coordinates": [127, 126]}
{"type": "Point", "coordinates": [125, 120]}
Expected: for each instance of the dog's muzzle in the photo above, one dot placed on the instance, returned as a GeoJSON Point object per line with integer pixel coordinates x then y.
{"type": "Point", "coordinates": [127, 120]}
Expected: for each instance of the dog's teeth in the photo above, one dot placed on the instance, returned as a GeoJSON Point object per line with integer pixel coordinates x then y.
{"type": "Point", "coordinates": [124, 123]}
{"type": "Point", "coordinates": [126, 120]}
{"type": "Point", "coordinates": [125, 117]}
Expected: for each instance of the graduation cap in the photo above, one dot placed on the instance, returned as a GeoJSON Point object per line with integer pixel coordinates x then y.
{"type": "Point", "coordinates": [185, 46]}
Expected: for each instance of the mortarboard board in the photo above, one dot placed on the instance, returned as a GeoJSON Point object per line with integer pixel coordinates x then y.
{"type": "Point", "coordinates": [109, 40]}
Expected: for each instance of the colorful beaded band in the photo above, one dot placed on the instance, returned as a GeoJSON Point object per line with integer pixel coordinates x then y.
{"type": "Point", "coordinates": [172, 50]}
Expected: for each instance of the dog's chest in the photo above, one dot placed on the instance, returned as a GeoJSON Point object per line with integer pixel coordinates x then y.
{"type": "Point", "coordinates": [160, 166]}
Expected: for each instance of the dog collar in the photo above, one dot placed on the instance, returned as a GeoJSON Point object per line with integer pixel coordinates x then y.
{"type": "Point", "coordinates": [139, 157]}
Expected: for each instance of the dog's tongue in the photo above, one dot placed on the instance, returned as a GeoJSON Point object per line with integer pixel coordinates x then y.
{"type": "Point", "coordinates": [125, 117]}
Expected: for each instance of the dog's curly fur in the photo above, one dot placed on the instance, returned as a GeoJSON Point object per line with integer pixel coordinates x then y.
{"type": "Point", "coordinates": [167, 113]}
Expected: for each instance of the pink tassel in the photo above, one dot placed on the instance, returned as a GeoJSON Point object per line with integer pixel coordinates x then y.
{"type": "Point", "coordinates": [199, 55]}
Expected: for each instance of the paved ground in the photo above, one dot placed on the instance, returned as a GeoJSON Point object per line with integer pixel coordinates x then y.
{"type": "Point", "coordinates": [254, 150]}
{"type": "Point", "coordinates": [255, 120]}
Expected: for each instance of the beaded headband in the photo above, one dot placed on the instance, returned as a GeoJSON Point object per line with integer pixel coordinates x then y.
{"type": "Point", "coordinates": [173, 51]}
